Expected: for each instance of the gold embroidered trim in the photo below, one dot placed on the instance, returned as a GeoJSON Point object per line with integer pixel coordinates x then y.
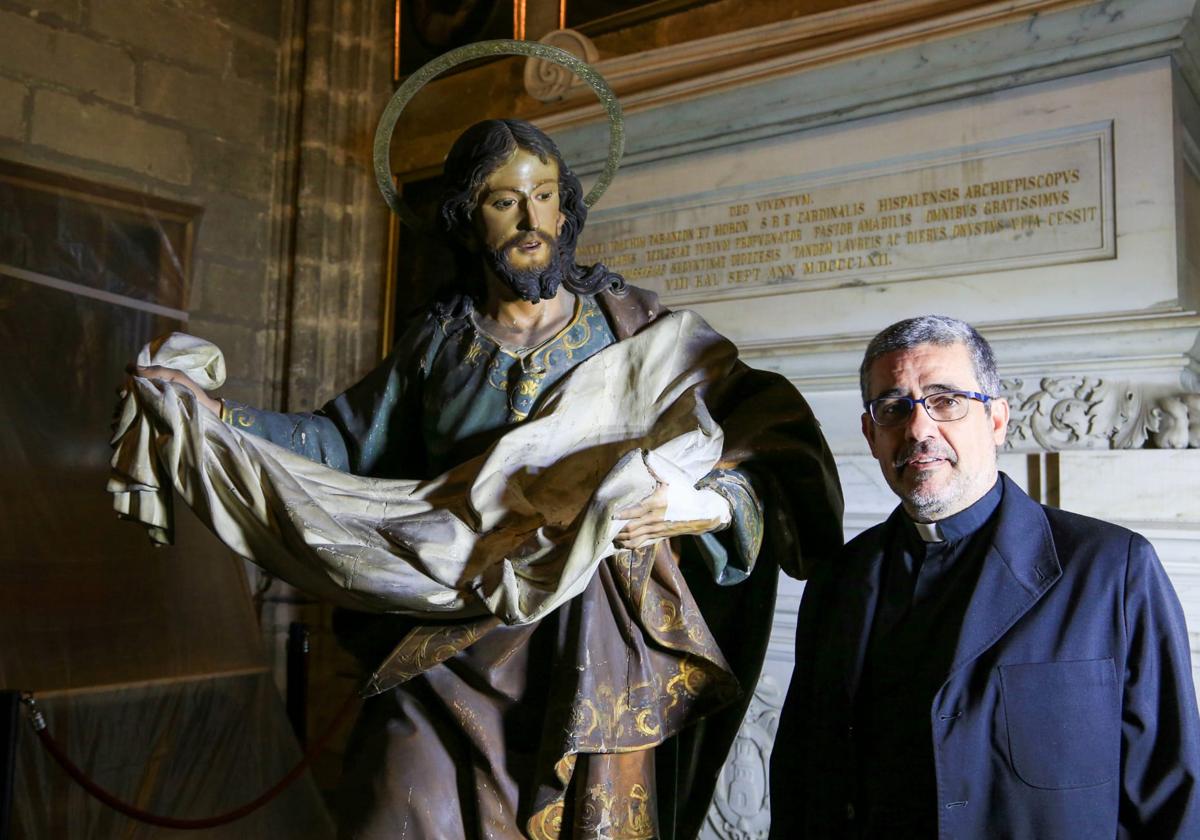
{"type": "Point", "coordinates": [425, 647]}
{"type": "Point", "coordinates": [236, 416]}
{"type": "Point", "coordinates": [536, 362]}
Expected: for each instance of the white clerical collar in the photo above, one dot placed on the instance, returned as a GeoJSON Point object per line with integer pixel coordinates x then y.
{"type": "Point", "coordinates": [964, 523]}
{"type": "Point", "coordinates": [928, 531]}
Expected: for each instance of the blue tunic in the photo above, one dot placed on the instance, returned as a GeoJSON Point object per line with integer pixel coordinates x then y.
{"type": "Point", "coordinates": [479, 385]}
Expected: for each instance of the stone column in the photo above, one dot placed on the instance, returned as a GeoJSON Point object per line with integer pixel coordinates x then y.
{"type": "Point", "coordinates": [332, 233]}
{"type": "Point", "coordinates": [328, 242]}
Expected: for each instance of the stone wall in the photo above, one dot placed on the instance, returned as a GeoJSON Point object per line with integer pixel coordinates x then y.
{"type": "Point", "coordinates": [175, 100]}
{"type": "Point", "coordinates": [262, 113]}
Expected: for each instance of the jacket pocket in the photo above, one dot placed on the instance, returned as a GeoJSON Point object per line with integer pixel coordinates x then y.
{"type": "Point", "coordinates": [1064, 722]}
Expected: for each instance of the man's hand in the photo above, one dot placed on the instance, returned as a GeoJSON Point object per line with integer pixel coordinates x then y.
{"type": "Point", "coordinates": [165, 374]}
{"type": "Point", "coordinates": [647, 522]}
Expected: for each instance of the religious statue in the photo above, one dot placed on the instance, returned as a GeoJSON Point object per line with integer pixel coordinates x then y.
{"type": "Point", "coordinates": [534, 512]}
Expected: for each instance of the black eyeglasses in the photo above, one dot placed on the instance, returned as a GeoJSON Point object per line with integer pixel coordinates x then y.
{"type": "Point", "coordinates": [944, 407]}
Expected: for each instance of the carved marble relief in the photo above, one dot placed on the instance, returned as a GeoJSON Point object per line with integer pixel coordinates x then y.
{"type": "Point", "coordinates": [1081, 412]}
{"type": "Point", "coordinates": [741, 809]}
{"type": "Point", "coordinates": [1178, 424]}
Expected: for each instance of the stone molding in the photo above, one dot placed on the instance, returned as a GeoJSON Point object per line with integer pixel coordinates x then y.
{"type": "Point", "coordinates": [750, 55]}
{"type": "Point", "coordinates": [868, 59]}
{"type": "Point", "coordinates": [1056, 38]}
{"type": "Point", "coordinates": [783, 47]}
{"type": "Point", "coordinates": [1146, 346]}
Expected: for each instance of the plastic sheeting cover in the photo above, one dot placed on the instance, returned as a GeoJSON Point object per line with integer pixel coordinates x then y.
{"type": "Point", "coordinates": [88, 274]}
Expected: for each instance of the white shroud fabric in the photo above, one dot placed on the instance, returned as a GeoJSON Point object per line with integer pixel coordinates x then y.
{"type": "Point", "coordinates": [515, 532]}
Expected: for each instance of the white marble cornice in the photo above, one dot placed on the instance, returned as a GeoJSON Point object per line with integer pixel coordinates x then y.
{"type": "Point", "coordinates": [1128, 344]}
{"type": "Point", "coordinates": [768, 80]}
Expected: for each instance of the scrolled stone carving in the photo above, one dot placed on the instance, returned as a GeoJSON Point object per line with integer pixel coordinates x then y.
{"type": "Point", "coordinates": [548, 82]}
{"type": "Point", "coordinates": [1076, 412]}
{"type": "Point", "coordinates": [741, 809]}
{"type": "Point", "coordinates": [1081, 412]}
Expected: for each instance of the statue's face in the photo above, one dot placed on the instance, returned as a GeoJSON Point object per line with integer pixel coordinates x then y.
{"type": "Point", "coordinates": [517, 214]}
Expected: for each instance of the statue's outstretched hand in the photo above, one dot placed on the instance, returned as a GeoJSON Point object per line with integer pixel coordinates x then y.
{"type": "Point", "coordinates": [648, 520]}
{"type": "Point", "coordinates": [166, 374]}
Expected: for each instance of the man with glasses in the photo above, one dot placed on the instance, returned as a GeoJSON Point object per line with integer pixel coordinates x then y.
{"type": "Point", "coordinates": [981, 666]}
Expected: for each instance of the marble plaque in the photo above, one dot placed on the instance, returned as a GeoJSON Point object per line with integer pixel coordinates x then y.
{"type": "Point", "coordinates": [1027, 201]}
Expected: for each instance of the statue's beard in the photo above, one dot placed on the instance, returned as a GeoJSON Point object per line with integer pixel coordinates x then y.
{"type": "Point", "coordinates": [532, 284]}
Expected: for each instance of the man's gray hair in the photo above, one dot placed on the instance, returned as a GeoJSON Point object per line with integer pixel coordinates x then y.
{"type": "Point", "coordinates": [941, 330]}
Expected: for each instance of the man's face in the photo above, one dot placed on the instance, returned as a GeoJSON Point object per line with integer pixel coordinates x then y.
{"type": "Point", "coordinates": [937, 469]}
{"type": "Point", "coordinates": [518, 221]}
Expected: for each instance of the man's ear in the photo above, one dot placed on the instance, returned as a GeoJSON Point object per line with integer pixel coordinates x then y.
{"type": "Point", "coordinates": [999, 419]}
{"type": "Point", "coordinates": [558, 226]}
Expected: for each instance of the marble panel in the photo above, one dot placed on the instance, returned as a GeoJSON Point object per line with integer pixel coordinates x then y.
{"type": "Point", "coordinates": [1138, 488]}
{"type": "Point", "coordinates": [978, 278]}
{"type": "Point", "coordinates": [1020, 202]}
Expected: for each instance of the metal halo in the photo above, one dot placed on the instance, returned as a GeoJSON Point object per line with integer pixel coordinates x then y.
{"type": "Point", "coordinates": [486, 49]}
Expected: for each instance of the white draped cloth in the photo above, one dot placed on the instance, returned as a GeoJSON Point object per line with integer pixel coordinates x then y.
{"type": "Point", "coordinates": [515, 532]}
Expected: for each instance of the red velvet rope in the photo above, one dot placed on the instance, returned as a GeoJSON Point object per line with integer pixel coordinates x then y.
{"type": "Point", "coordinates": [81, 778]}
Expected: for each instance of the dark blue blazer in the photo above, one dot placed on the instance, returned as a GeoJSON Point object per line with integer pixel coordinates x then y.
{"type": "Point", "coordinates": [1068, 712]}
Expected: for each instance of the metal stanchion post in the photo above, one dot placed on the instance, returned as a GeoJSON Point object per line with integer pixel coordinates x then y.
{"type": "Point", "coordinates": [297, 679]}
{"type": "Point", "coordinates": [10, 702]}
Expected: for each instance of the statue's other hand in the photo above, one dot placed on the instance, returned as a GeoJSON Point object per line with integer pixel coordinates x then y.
{"type": "Point", "coordinates": [166, 374]}
{"type": "Point", "coordinates": [648, 522]}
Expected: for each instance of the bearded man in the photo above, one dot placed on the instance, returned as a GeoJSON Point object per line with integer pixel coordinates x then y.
{"type": "Point", "coordinates": [610, 715]}
{"type": "Point", "coordinates": [980, 666]}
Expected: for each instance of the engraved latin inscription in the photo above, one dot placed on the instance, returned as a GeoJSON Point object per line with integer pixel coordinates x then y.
{"type": "Point", "coordinates": [1038, 205]}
